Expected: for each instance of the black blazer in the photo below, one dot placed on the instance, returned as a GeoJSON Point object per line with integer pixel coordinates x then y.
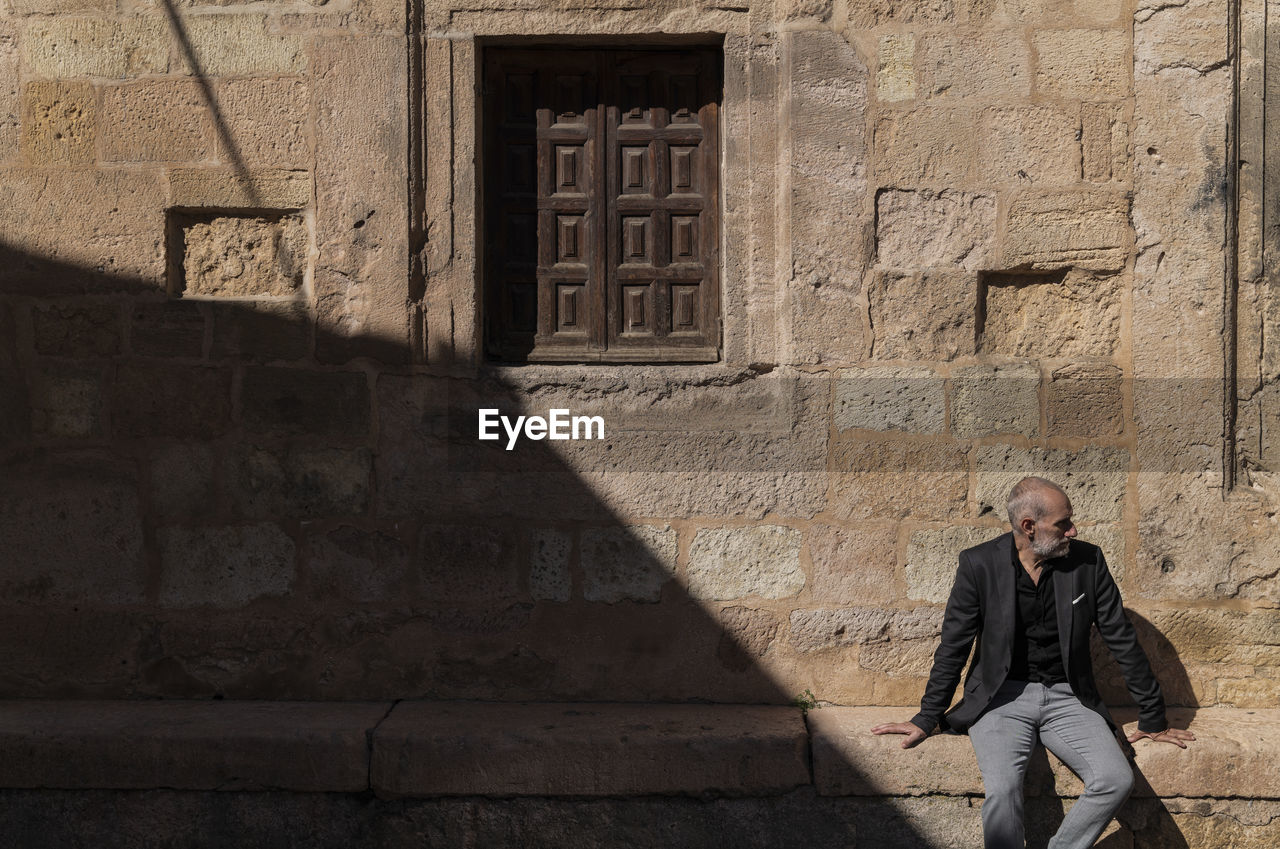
{"type": "Point", "coordinates": [981, 607]}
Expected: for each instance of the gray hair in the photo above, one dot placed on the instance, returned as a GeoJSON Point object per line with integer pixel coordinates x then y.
{"type": "Point", "coordinates": [1026, 500]}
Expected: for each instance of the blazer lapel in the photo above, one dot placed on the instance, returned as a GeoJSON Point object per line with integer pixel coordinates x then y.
{"type": "Point", "coordinates": [1005, 588]}
{"type": "Point", "coordinates": [1064, 590]}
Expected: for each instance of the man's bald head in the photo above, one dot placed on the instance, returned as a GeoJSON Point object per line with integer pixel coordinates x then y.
{"type": "Point", "coordinates": [1032, 498]}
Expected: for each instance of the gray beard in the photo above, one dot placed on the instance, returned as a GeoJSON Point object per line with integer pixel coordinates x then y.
{"type": "Point", "coordinates": [1047, 550]}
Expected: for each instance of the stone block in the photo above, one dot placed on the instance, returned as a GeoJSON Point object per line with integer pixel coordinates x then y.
{"type": "Point", "coordinates": [470, 566]}
{"type": "Point", "coordinates": [224, 567]}
{"type": "Point", "coordinates": [297, 402]}
{"type": "Point", "coordinates": [10, 94]}
{"type": "Point", "coordinates": [174, 401]}
{"type": "Point", "coordinates": [927, 316]}
{"type": "Point", "coordinates": [71, 533]}
{"type": "Point", "coordinates": [1099, 12]}
{"type": "Point", "coordinates": [1084, 64]}
{"type": "Point", "coordinates": [1194, 38]}
{"type": "Point", "coordinates": [187, 745]}
{"type": "Point", "coordinates": [987, 400]}
{"type": "Point", "coordinates": [1249, 692]}
{"type": "Point", "coordinates": [478, 749]}
{"type": "Point", "coordinates": [929, 144]}
{"type": "Point", "coordinates": [58, 7]}
{"type": "Point", "coordinates": [1053, 230]}
{"type": "Point", "coordinates": [66, 47]}
{"type": "Point", "coordinates": [823, 629]}
{"type": "Point", "coordinates": [1104, 140]}
{"type": "Point", "coordinates": [876, 12]}
{"type": "Point", "coordinates": [262, 188]}
{"type": "Point", "coordinates": [240, 45]}
{"type": "Point", "coordinates": [732, 563]}
{"type": "Point", "coordinates": [261, 331]}
{"type": "Point", "coordinates": [357, 565]}
{"type": "Point", "coordinates": [1110, 537]}
{"type": "Point", "coordinates": [155, 121]}
{"type": "Point", "coordinates": [266, 119]}
{"type": "Point", "coordinates": [896, 73]}
{"type": "Point", "coordinates": [631, 563]}
{"type": "Point", "coordinates": [1076, 314]}
{"type": "Point", "coordinates": [304, 482]}
{"type": "Point", "coordinates": [932, 558]}
{"type": "Point", "coordinates": [747, 636]}
{"type": "Point", "coordinates": [182, 480]}
{"type": "Point", "coordinates": [170, 328]}
{"type": "Point", "coordinates": [1094, 477]}
{"type": "Point", "coordinates": [1085, 400]}
{"type": "Point", "coordinates": [898, 480]}
{"type": "Point", "coordinates": [853, 565]}
{"type": "Point", "coordinates": [59, 123]}
{"type": "Point", "coordinates": [890, 398]}
{"type": "Point", "coordinates": [549, 578]}
{"type": "Point", "coordinates": [1235, 755]}
{"type": "Point", "coordinates": [1037, 144]}
{"type": "Point", "coordinates": [925, 228]}
{"type": "Point", "coordinates": [66, 401]}
{"type": "Point", "coordinates": [76, 329]}
{"type": "Point", "coordinates": [985, 65]}
{"type": "Point", "coordinates": [237, 256]}
{"type": "Point", "coordinates": [1250, 637]}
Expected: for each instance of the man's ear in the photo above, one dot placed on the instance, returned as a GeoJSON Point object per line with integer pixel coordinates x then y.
{"type": "Point", "coordinates": [1027, 525]}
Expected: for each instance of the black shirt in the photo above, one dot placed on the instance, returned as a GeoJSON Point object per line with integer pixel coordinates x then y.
{"type": "Point", "coordinates": [1037, 654]}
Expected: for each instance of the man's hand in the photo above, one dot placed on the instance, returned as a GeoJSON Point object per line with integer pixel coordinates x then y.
{"type": "Point", "coordinates": [913, 732]}
{"type": "Point", "coordinates": [1176, 736]}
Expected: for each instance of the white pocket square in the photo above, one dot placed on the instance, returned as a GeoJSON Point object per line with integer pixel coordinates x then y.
{"type": "Point", "coordinates": [1077, 598]}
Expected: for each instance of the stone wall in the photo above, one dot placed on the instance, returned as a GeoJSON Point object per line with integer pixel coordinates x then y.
{"type": "Point", "coordinates": [241, 356]}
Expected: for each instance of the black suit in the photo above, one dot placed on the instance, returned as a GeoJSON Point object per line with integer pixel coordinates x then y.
{"type": "Point", "coordinates": [981, 606]}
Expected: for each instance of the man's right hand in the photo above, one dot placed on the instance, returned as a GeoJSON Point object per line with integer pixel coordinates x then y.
{"type": "Point", "coordinates": [913, 732]}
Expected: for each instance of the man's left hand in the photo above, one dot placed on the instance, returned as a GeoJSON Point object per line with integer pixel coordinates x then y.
{"type": "Point", "coordinates": [1176, 736]}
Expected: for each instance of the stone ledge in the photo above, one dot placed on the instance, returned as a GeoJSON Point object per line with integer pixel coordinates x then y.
{"type": "Point", "coordinates": [489, 749]}
{"type": "Point", "coordinates": [1236, 754]}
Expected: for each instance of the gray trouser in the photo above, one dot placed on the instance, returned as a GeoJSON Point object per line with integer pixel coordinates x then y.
{"type": "Point", "coordinates": [1003, 739]}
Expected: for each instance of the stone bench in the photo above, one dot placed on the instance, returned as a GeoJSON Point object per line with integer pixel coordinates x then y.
{"type": "Point", "coordinates": [442, 749]}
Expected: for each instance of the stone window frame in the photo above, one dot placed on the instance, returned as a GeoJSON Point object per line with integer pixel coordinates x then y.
{"type": "Point", "coordinates": [448, 283]}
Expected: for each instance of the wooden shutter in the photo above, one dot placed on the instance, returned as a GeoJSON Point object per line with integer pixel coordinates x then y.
{"type": "Point", "coordinates": [601, 220]}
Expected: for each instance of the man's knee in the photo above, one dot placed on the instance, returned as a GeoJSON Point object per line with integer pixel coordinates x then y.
{"type": "Point", "coordinates": [1117, 781]}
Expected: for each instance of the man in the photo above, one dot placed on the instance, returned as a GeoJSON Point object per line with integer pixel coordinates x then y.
{"type": "Point", "coordinates": [1029, 598]}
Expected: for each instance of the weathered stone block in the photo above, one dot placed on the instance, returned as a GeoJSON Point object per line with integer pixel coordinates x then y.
{"type": "Point", "coordinates": [1051, 230]}
{"type": "Point", "coordinates": [243, 256]}
{"type": "Point", "coordinates": [61, 47]}
{"type": "Point", "coordinates": [182, 480]}
{"type": "Point", "coordinates": [987, 400]}
{"type": "Point", "coordinates": [922, 317]}
{"type": "Point", "coordinates": [307, 482]}
{"type": "Point", "coordinates": [632, 563]}
{"type": "Point", "coordinates": [1249, 692]}
{"type": "Point", "coordinates": [876, 12]}
{"type": "Point", "coordinates": [853, 566]}
{"type": "Point", "coordinates": [56, 7]}
{"type": "Point", "coordinates": [1076, 314]}
{"type": "Point", "coordinates": [10, 93]}
{"type": "Point", "coordinates": [817, 630]}
{"type": "Point", "coordinates": [925, 145]}
{"type": "Point", "coordinates": [59, 123]}
{"type": "Point", "coordinates": [985, 64]}
{"type": "Point", "coordinates": [1250, 637]}
{"type": "Point", "coordinates": [1196, 37]}
{"type": "Point", "coordinates": [471, 566]}
{"type": "Point", "coordinates": [76, 329]}
{"type": "Point", "coordinates": [1039, 144]}
{"type": "Point", "coordinates": [731, 563]}
{"type": "Point", "coordinates": [549, 578]}
{"type": "Point", "coordinates": [71, 532]}
{"type": "Point", "coordinates": [1082, 63]}
{"type": "Point", "coordinates": [170, 400]}
{"type": "Point", "coordinates": [291, 402]}
{"type": "Point", "coordinates": [896, 74]}
{"type": "Point", "coordinates": [261, 331]}
{"type": "Point", "coordinates": [920, 229]}
{"type": "Point", "coordinates": [357, 565]}
{"type": "Point", "coordinates": [239, 45]}
{"type": "Point", "coordinates": [218, 187]}
{"type": "Point", "coordinates": [600, 749]}
{"type": "Point", "coordinates": [224, 566]}
{"type": "Point", "coordinates": [747, 636]}
{"type": "Point", "coordinates": [1104, 139]}
{"type": "Point", "coordinates": [1085, 400]}
{"type": "Point", "coordinates": [932, 558]}
{"type": "Point", "coordinates": [1094, 477]}
{"type": "Point", "coordinates": [66, 402]}
{"type": "Point", "coordinates": [155, 120]}
{"type": "Point", "coordinates": [898, 480]}
{"type": "Point", "coordinates": [888, 398]}
{"type": "Point", "coordinates": [266, 119]}
{"type": "Point", "coordinates": [171, 328]}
